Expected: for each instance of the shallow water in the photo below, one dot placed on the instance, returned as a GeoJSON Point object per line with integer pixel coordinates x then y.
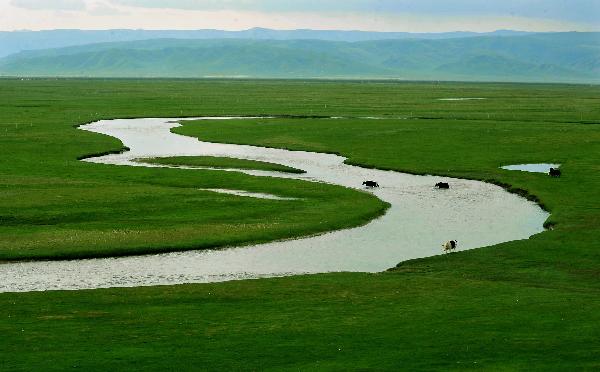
{"type": "Point", "coordinates": [420, 219]}
{"type": "Point", "coordinates": [535, 168]}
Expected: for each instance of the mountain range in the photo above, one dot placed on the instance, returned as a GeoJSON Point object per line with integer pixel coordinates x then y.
{"type": "Point", "coordinates": [16, 41]}
{"type": "Point", "coordinates": [543, 57]}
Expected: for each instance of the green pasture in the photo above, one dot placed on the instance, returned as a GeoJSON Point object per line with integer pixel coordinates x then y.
{"type": "Point", "coordinates": [529, 304]}
{"type": "Point", "coordinates": [54, 206]}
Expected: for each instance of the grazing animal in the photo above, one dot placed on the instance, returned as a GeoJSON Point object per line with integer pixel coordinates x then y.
{"type": "Point", "coordinates": [442, 185]}
{"type": "Point", "coordinates": [554, 172]}
{"type": "Point", "coordinates": [450, 245]}
{"type": "Point", "coordinates": [370, 184]}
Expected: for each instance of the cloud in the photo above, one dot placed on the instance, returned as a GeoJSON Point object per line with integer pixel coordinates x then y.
{"type": "Point", "coordinates": [103, 10]}
{"type": "Point", "coordinates": [373, 15]}
{"type": "Point", "coordinates": [68, 5]}
{"type": "Point", "coordinates": [572, 10]}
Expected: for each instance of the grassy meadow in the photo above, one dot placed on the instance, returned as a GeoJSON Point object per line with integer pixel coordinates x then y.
{"type": "Point", "coordinates": [529, 304]}
{"type": "Point", "coordinates": [54, 206]}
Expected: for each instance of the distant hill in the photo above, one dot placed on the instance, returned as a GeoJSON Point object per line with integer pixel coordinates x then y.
{"type": "Point", "coordinates": [17, 41]}
{"type": "Point", "coordinates": [549, 57]}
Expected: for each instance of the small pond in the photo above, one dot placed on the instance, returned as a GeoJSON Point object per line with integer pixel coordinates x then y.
{"type": "Point", "coordinates": [535, 168]}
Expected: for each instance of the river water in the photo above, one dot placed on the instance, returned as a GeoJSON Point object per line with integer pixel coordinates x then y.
{"type": "Point", "coordinates": [420, 219]}
{"type": "Point", "coordinates": [534, 168]}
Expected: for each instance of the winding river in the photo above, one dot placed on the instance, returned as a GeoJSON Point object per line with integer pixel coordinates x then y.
{"type": "Point", "coordinates": [420, 219]}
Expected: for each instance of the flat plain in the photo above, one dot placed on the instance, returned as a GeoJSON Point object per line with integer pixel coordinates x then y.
{"type": "Point", "coordinates": [524, 304]}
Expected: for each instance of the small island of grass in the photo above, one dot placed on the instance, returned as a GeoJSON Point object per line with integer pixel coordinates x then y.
{"type": "Point", "coordinates": [220, 162]}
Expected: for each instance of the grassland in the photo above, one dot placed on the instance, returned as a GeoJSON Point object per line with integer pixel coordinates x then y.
{"type": "Point", "coordinates": [220, 162]}
{"type": "Point", "coordinates": [55, 206]}
{"type": "Point", "coordinates": [532, 304]}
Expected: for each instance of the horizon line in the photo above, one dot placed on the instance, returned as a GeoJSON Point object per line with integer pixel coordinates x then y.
{"type": "Point", "coordinates": [294, 29]}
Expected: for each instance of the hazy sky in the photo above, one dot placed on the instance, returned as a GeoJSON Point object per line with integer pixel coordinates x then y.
{"type": "Point", "coordinates": [377, 15]}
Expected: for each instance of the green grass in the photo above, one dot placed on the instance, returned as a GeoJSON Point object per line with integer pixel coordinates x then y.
{"type": "Point", "coordinates": [55, 206]}
{"type": "Point", "coordinates": [219, 162]}
{"type": "Point", "coordinates": [529, 304]}
{"type": "Point", "coordinates": [435, 319]}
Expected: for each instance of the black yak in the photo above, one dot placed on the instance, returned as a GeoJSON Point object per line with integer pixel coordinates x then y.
{"type": "Point", "coordinates": [554, 172]}
{"type": "Point", "coordinates": [370, 184]}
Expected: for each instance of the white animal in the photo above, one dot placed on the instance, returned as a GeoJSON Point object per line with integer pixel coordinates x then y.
{"type": "Point", "coordinates": [449, 246]}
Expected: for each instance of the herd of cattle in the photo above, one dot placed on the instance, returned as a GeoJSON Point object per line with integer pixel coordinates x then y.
{"type": "Point", "coordinates": [451, 245]}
